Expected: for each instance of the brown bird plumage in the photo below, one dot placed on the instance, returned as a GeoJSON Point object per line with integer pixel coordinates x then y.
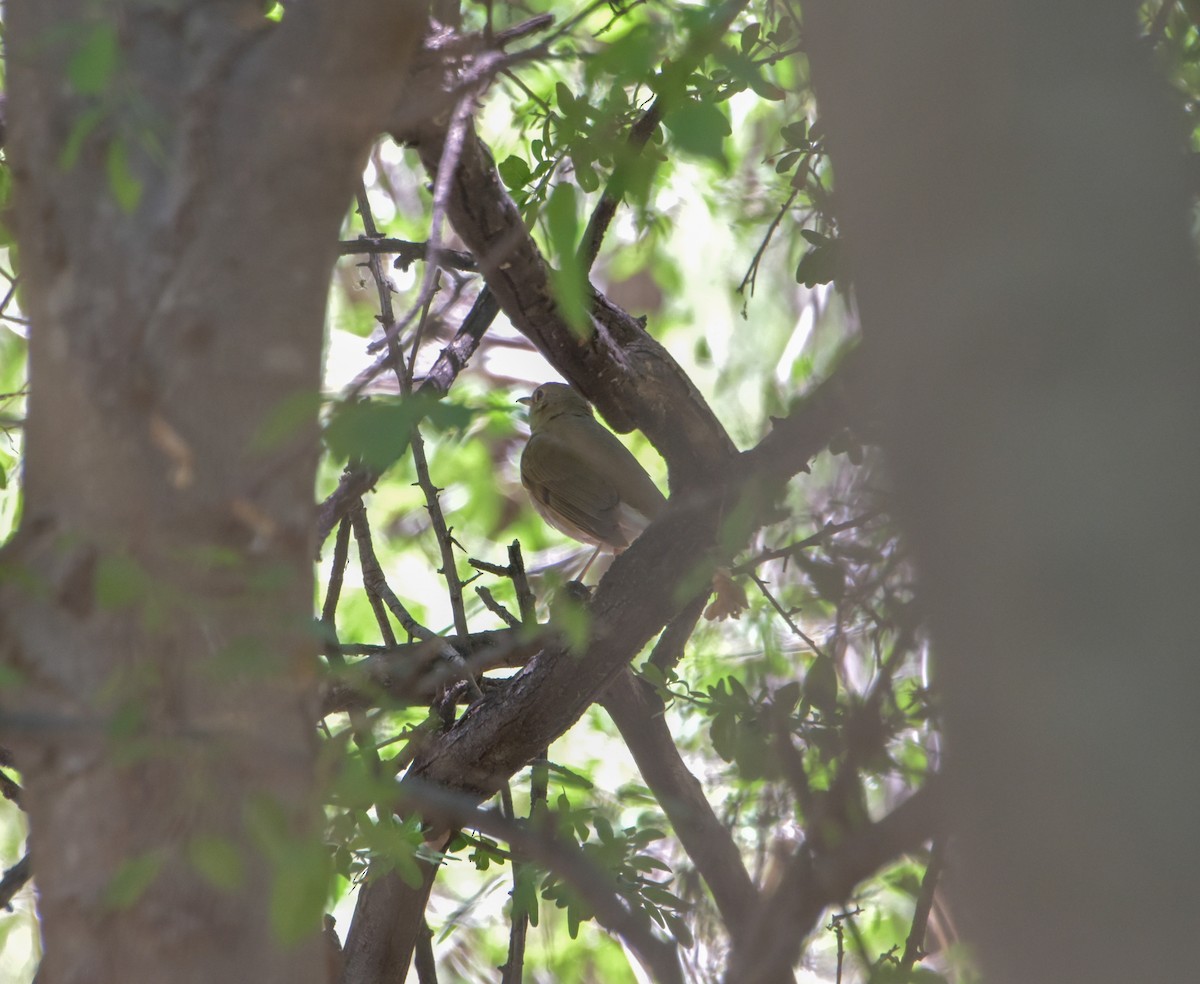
{"type": "Point", "coordinates": [582, 480]}
{"type": "Point", "coordinates": [586, 484]}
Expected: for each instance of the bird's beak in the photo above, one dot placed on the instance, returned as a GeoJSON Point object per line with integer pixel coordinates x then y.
{"type": "Point", "coordinates": [524, 399]}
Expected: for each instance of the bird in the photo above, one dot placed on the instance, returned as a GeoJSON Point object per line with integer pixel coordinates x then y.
{"type": "Point", "coordinates": [587, 484]}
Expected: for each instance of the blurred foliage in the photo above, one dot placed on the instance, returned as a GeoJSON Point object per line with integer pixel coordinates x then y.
{"type": "Point", "coordinates": [728, 244]}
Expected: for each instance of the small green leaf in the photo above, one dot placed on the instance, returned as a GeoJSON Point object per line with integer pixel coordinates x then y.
{"type": "Point", "coordinates": [131, 880]}
{"type": "Point", "coordinates": [586, 175]}
{"type": "Point", "coordinates": [299, 891]}
{"type": "Point", "coordinates": [217, 861]}
{"type": "Point", "coordinates": [699, 128]}
{"type": "Point", "coordinates": [787, 162]}
{"type": "Point", "coordinates": [286, 420]}
{"type": "Point", "coordinates": [124, 184]}
{"type": "Point", "coordinates": [377, 431]}
{"type": "Point", "coordinates": [749, 37]}
{"type": "Point", "coordinates": [84, 124]}
{"type": "Point", "coordinates": [92, 66]}
{"type": "Point", "coordinates": [821, 685]}
{"type": "Point", "coordinates": [787, 696]}
{"type": "Point", "coordinates": [514, 172]}
{"type": "Point", "coordinates": [819, 265]}
{"type": "Point", "coordinates": [569, 281]}
{"type": "Point", "coordinates": [566, 101]}
{"type": "Point", "coordinates": [796, 134]}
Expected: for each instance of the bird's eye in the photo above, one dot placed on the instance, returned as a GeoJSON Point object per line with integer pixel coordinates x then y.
{"type": "Point", "coordinates": [538, 396]}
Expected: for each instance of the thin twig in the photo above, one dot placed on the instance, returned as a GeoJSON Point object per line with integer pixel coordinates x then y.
{"type": "Point", "coordinates": [783, 614]}
{"type": "Point", "coordinates": [497, 609]}
{"type": "Point", "coordinates": [14, 880]}
{"type": "Point", "coordinates": [914, 946]}
{"type": "Point", "coordinates": [526, 602]}
{"type": "Point", "coordinates": [752, 272]}
{"type": "Point", "coordinates": [407, 252]}
{"type": "Point", "coordinates": [374, 580]}
{"type": "Point", "coordinates": [451, 152]}
{"type": "Point", "coordinates": [815, 540]}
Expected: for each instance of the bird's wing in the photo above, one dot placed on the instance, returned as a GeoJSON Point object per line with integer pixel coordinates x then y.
{"type": "Point", "coordinates": [628, 478]}
{"type": "Point", "coordinates": [570, 492]}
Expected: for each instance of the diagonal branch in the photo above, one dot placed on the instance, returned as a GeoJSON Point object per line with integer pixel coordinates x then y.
{"type": "Point", "coordinates": [814, 880]}
{"type": "Point", "coordinates": [507, 728]}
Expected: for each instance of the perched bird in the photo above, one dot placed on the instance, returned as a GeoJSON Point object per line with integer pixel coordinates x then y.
{"type": "Point", "coordinates": [586, 484]}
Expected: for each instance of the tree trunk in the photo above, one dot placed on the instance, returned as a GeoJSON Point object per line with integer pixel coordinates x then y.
{"type": "Point", "coordinates": [1012, 191]}
{"type": "Point", "coordinates": [159, 593]}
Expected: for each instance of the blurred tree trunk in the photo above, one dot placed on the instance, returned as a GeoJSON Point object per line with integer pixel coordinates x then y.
{"type": "Point", "coordinates": [1012, 184]}
{"type": "Point", "coordinates": [158, 596]}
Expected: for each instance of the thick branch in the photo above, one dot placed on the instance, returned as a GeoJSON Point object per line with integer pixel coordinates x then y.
{"type": "Point", "coordinates": [638, 714]}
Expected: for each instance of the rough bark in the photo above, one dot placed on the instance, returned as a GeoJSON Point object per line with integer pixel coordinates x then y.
{"type": "Point", "coordinates": [159, 590]}
{"type": "Point", "coordinates": [1013, 195]}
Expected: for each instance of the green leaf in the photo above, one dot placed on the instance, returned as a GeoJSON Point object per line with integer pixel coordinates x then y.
{"type": "Point", "coordinates": [820, 265]}
{"type": "Point", "coordinates": [567, 102]}
{"type": "Point", "coordinates": [586, 175]}
{"type": "Point", "coordinates": [787, 162]}
{"type": "Point", "coordinates": [131, 880]}
{"type": "Point", "coordinates": [299, 891]}
{"type": "Point", "coordinates": [569, 282]}
{"type": "Point", "coordinates": [120, 582]}
{"type": "Point", "coordinates": [124, 184]}
{"type": "Point", "coordinates": [796, 134]}
{"type": "Point", "coordinates": [749, 37]}
{"type": "Point", "coordinates": [514, 172]}
{"type": "Point", "coordinates": [286, 420]}
{"type": "Point", "coordinates": [787, 696]}
{"type": "Point", "coordinates": [217, 861]}
{"type": "Point", "coordinates": [632, 57]}
{"type": "Point", "coordinates": [821, 685]}
{"type": "Point", "coordinates": [699, 128]}
{"type": "Point", "coordinates": [92, 66]}
{"type": "Point", "coordinates": [84, 124]}
{"type": "Point", "coordinates": [377, 431]}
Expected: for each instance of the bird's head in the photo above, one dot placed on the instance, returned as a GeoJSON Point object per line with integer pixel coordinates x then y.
{"type": "Point", "coordinates": [552, 400]}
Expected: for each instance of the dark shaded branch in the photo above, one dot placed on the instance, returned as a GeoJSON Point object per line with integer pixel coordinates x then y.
{"type": "Point", "coordinates": [539, 843]}
{"type": "Point", "coordinates": [637, 712]}
{"type": "Point", "coordinates": [407, 252]}
{"type": "Point", "coordinates": [914, 945]}
{"type": "Point", "coordinates": [14, 880]}
{"type": "Point", "coordinates": [416, 672]}
{"type": "Point", "coordinates": [813, 881]}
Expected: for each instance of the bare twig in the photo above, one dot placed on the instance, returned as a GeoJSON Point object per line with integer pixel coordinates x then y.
{"type": "Point", "coordinates": [914, 946]}
{"type": "Point", "coordinates": [752, 272]}
{"type": "Point", "coordinates": [407, 252]}
{"type": "Point", "coordinates": [812, 881]}
{"type": "Point", "coordinates": [815, 540]}
{"type": "Point", "coordinates": [14, 880]}
{"type": "Point", "coordinates": [451, 152]}
{"type": "Point", "coordinates": [497, 609]}
{"type": "Point", "coordinates": [374, 580]}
